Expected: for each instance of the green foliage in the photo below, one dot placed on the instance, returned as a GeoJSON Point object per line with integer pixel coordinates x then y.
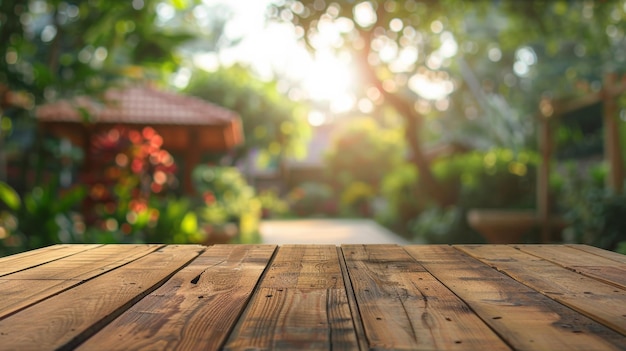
{"type": "Point", "coordinates": [46, 216]}
{"type": "Point", "coordinates": [272, 205]}
{"type": "Point", "coordinates": [58, 47]}
{"type": "Point", "coordinates": [594, 215]}
{"type": "Point", "coordinates": [356, 199]}
{"type": "Point", "coordinates": [444, 226]}
{"type": "Point", "coordinates": [177, 222]}
{"type": "Point", "coordinates": [272, 123]}
{"type": "Point", "coordinates": [364, 152]}
{"type": "Point", "coordinates": [225, 193]}
{"type": "Point", "coordinates": [312, 199]}
{"type": "Point", "coordinates": [403, 200]}
{"type": "Point", "coordinates": [498, 178]}
{"type": "Point", "coordinates": [9, 197]}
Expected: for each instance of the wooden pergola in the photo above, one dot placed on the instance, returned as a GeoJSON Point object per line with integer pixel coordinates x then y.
{"type": "Point", "coordinates": [188, 126]}
{"type": "Point", "coordinates": [508, 226]}
{"type": "Point", "coordinates": [551, 112]}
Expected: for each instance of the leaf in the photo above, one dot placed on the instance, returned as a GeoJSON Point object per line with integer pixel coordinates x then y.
{"type": "Point", "coordinates": [179, 4]}
{"type": "Point", "coordinates": [189, 224]}
{"type": "Point", "coordinates": [9, 196]}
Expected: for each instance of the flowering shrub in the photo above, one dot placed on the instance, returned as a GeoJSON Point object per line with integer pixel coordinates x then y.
{"type": "Point", "coordinates": [134, 169]}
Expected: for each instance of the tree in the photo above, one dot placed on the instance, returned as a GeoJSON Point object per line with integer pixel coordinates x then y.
{"type": "Point", "coordinates": [476, 65]}
{"type": "Point", "coordinates": [398, 47]}
{"type": "Point", "coordinates": [62, 48]}
{"type": "Point", "coordinates": [272, 123]}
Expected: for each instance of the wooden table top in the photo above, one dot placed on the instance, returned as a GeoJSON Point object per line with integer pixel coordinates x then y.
{"type": "Point", "coordinates": [292, 297]}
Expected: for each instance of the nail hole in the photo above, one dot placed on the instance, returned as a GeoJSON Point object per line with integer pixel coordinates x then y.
{"type": "Point", "coordinates": [379, 319]}
{"type": "Point", "coordinates": [448, 319]}
{"type": "Point", "coordinates": [201, 297]}
{"type": "Point", "coordinates": [497, 318]}
{"type": "Point", "coordinates": [270, 295]}
{"type": "Point", "coordinates": [458, 342]}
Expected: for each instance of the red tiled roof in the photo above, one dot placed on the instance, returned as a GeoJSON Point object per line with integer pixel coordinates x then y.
{"type": "Point", "coordinates": [138, 105]}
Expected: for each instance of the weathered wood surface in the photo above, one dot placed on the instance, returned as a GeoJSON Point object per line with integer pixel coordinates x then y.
{"type": "Point", "coordinates": [301, 303]}
{"type": "Point", "coordinates": [314, 297]}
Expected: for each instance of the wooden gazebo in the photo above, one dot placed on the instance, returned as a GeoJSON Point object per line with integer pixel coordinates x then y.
{"type": "Point", "coordinates": [188, 126]}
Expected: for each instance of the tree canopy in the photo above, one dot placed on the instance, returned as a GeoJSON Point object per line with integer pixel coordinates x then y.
{"type": "Point", "coordinates": [450, 67]}
{"type": "Point", "coordinates": [272, 123]}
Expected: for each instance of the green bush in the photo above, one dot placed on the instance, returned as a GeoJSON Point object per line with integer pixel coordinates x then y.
{"type": "Point", "coordinates": [312, 199]}
{"type": "Point", "coordinates": [272, 205]}
{"type": "Point", "coordinates": [46, 215]}
{"type": "Point", "coordinates": [364, 152]}
{"type": "Point", "coordinates": [444, 226]}
{"type": "Point", "coordinates": [595, 215]}
{"type": "Point", "coordinates": [227, 200]}
{"type": "Point", "coordinates": [498, 178]}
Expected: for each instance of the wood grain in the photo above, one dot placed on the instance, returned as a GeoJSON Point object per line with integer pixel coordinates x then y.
{"type": "Point", "coordinates": [403, 307]}
{"type": "Point", "coordinates": [599, 301]}
{"type": "Point", "coordinates": [314, 297]}
{"type": "Point", "coordinates": [523, 317]}
{"type": "Point", "coordinates": [27, 287]}
{"type": "Point", "coordinates": [195, 309]}
{"type": "Point", "coordinates": [19, 262]}
{"type": "Point", "coordinates": [305, 267]}
{"type": "Point", "coordinates": [301, 303]}
{"type": "Point", "coordinates": [67, 319]}
{"type": "Point", "coordinates": [611, 255]}
{"type": "Point", "coordinates": [594, 266]}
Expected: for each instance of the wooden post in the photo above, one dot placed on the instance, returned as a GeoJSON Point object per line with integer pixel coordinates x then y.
{"type": "Point", "coordinates": [192, 159]}
{"type": "Point", "coordinates": [612, 150]}
{"type": "Point", "coordinates": [543, 177]}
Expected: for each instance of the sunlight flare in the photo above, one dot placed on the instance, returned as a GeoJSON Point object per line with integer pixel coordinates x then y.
{"type": "Point", "coordinates": [329, 78]}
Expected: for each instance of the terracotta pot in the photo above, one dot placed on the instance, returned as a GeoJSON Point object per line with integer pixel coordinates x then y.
{"type": "Point", "coordinates": [507, 226]}
{"type": "Point", "coordinates": [502, 226]}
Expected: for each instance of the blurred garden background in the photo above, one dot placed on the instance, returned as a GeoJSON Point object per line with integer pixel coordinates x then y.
{"type": "Point", "coordinates": [191, 121]}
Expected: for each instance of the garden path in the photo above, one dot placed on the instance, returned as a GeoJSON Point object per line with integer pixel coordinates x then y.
{"type": "Point", "coordinates": [327, 231]}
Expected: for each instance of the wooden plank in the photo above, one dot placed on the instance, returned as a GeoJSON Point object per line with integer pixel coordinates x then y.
{"type": "Point", "coordinates": [601, 302]}
{"type": "Point", "coordinates": [305, 267]}
{"type": "Point", "coordinates": [27, 287]}
{"type": "Point", "coordinates": [523, 317]}
{"type": "Point", "coordinates": [403, 307]}
{"type": "Point", "coordinates": [69, 318]}
{"type": "Point", "coordinates": [86, 264]}
{"type": "Point", "coordinates": [39, 251]}
{"type": "Point", "coordinates": [597, 267]}
{"type": "Point", "coordinates": [354, 309]}
{"type": "Point", "coordinates": [19, 262]}
{"type": "Point", "coordinates": [195, 309]}
{"type": "Point", "coordinates": [611, 255]}
{"type": "Point", "coordinates": [301, 303]}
